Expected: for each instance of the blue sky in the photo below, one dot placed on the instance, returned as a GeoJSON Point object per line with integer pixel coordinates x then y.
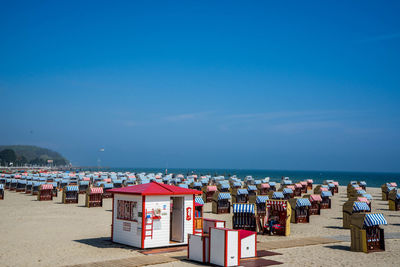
{"type": "Point", "coordinates": [302, 85]}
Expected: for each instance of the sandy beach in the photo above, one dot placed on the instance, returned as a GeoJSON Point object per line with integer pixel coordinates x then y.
{"type": "Point", "coordinates": [43, 233]}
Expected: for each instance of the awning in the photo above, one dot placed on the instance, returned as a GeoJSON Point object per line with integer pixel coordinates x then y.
{"type": "Point", "coordinates": [361, 192]}
{"type": "Point", "coordinates": [224, 195]}
{"type": "Point", "coordinates": [183, 186]}
{"type": "Point", "coordinates": [372, 219]}
{"type": "Point", "coordinates": [72, 188]}
{"type": "Point", "coordinates": [323, 189]}
{"type": "Point", "coordinates": [277, 205]}
{"type": "Point", "coordinates": [303, 183]}
{"type": "Point", "coordinates": [272, 183]}
{"type": "Point", "coordinates": [363, 199]}
{"type": "Point", "coordinates": [360, 206]}
{"type": "Point", "coordinates": [326, 194]}
{"type": "Point", "coordinates": [287, 191]}
{"type": "Point", "coordinates": [96, 190]}
{"type": "Point", "coordinates": [310, 181]}
{"type": "Point", "coordinates": [47, 187]}
{"type": "Point", "coordinates": [242, 191]}
{"type": "Point", "coordinates": [225, 186]}
{"type": "Point", "coordinates": [237, 184]}
{"type": "Point", "coordinates": [393, 184]}
{"type": "Point", "coordinates": [291, 187]}
{"type": "Point", "coordinates": [252, 188]}
{"type": "Point", "coordinates": [363, 183]}
{"type": "Point", "coordinates": [211, 188]}
{"type": "Point", "coordinates": [287, 182]}
{"type": "Point", "coordinates": [315, 198]}
{"type": "Point", "coordinates": [243, 208]}
{"type": "Point", "coordinates": [84, 183]}
{"type": "Point", "coordinates": [197, 184]}
{"type": "Point", "coordinates": [336, 183]}
{"type": "Point", "coordinates": [331, 185]}
{"type": "Point", "coordinates": [303, 202]}
{"type": "Point", "coordinates": [368, 196]}
{"type": "Point", "coordinates": [265, 186]}
{"type": "Point", "coordinates": [298, 185]}
{"type": "Point", "coordinates": [261, 199]}
{"type": "Point", "coordinates": [199, 200]}
{"type": "Point", "coordinates": [277, 195]}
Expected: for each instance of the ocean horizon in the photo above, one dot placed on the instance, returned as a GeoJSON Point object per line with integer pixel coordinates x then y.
{"type": "Point", "coordinates": [373, 179]}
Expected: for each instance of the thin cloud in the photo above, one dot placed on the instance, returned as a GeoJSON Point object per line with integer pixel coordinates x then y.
{"type": "Point", "coordinates": [186, 116]}
{"type": "Point", "coordinates": [380, 38]}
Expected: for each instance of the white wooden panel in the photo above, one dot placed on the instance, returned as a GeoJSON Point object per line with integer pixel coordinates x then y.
{"type": "Point", "coordinates": [132, 237]}
{"type": "Point", "coordinates": [195, 247]}
{"type": "Point", "coordinates": [217, 246]}
{"type": "Point", "coordinates": [161, 233]}
{"type": "Point", "coordinates": [248, 247]}
{"type": "Point", "coordinates": [233, 248]}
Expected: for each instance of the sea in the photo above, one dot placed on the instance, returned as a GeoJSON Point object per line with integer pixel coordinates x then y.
{"type": "Point", "coordinates": [373, 179]}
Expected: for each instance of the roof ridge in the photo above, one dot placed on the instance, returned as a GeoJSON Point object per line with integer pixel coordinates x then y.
{"type": "Point", "coordinates": [163, 186]}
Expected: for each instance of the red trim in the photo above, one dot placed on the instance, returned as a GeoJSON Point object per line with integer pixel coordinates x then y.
{"type": "Point", "coordinates": [225, 250]}
{"type": "Point", "coordinates": [204, 248]}
{"type": "Point", "coordinates": [188, 246]}
{"type": "Point", "coordinates": [194, 211]}
{"type": "Point", "coordinates": [112, 221]}
{"type": "Point", "coordinates": [256, 244]}
{"type": "Point", "coordinates": [239, 249]}
{"type": "Point", "coordinates": [143, 220]}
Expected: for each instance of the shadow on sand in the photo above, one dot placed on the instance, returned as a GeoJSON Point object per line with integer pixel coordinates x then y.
{"type": "Point", "coordinates": [334, 227]}
{"type": "Point", "coordinates": [340, 247]}
{"type": "Point", "coordinates": [102, 242]}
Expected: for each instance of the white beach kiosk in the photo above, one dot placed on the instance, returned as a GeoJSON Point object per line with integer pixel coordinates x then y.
{"type": "Point", "coordinates": [168, 213]}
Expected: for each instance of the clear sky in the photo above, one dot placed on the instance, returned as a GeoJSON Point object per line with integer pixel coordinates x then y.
{"type": "Point", "coordinates": [302, 85]}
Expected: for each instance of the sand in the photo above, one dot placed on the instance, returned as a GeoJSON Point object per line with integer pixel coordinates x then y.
{"type": "Point", "coordinates": [34, 233]}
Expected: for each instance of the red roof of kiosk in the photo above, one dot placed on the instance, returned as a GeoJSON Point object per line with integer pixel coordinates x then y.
{"type": "Point", "coordinates": [154, 188]}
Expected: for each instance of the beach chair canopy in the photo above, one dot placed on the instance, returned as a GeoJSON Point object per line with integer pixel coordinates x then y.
{"type": "Point", "coordinates": [362, 220]}
{"type": "Point", "coordinates": [242, 191]}
{"type": "Point", "coordinates": [326, 194]}
{"type": "Point", "coordinates": [261, 199]}
{"type": "Point", "coordinates": [184, 186]}
{"type": "Point", "coordinates": [243, 208]}
{"type": "Point", "coordinates": [197, 184]}
{"type": "Point", "coordinates": [47, 187]}
{"type": "Point", "coordinates": [224, 186]}
{"type": "Point", "coordinates": [287, 191]}
{"type": "Point", "coordinates": [198, 201]}
{"type": "Point", "coordinates": [251, 187]}
{"type": "Point", "coordinates": [393, 184]}
{"type": "Point", "coordinates": [367, 196]}
{"type": "Point", "coordinates": [278, 195]}
{"type": "Point", "coordinates": [211, 188]}
{"type": "Point", "coordinates": [360, 206]}
{"type": "Point", "coordinates": [272, 183]}
{"type": "Point", "coordinates": [298, 185]}
{"type": "Point", "coordinates": [303, 202]}
{"type": "Point", "coordinates": [310, 181]}
{"type": "Point", "coordinates": [108, 185]}
{"type": "Point", "coordinates": [390, 188]}
{"type": "Point", "coordinates": [84, 183]}
{"type": "Point", "coordinates": [256, 182]}
{"type": "Point", "coordinates": [361, 192]}
{"type": "Point", "coordinates": [315, 198]}
{"type": "Point", "coordinates": [362, 199]}
{"type": "Point", "coordinates": [280, 205]}
{"type": "Point", "coordinates": [286, 182]}
{"type": "Point", "coordinates": [303, 183]}
{"type": "Point", "coordinates": [72, 188]}
{"type": "Point", "coordinates": [237, 184]}
{"type": "Point", "coordinates": [331, 185]}
{"type": "Point", "coordinates": [265, 185]}
{"type": "Point", "coordinates": [363, 183]}
{"type": "Point", "coordinates": [224, 195]}
{"type": "Point", "coordinates": [96, 190]}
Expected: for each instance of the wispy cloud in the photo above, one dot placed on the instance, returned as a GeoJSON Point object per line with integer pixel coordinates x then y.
{"type": "Point", "coordinates": [186, 116]}
{"type": "Point", "coordinates": [382, 37]}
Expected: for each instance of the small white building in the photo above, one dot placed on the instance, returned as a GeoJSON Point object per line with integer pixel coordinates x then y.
{"type": "Point", "coordinates": [152, 215]}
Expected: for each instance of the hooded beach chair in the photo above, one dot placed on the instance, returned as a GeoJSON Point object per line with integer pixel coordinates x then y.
{"type": "Point", "coordinates": [366, 234]}
{"type": "Point", "coordinates": [94, 197]}
{"type": "Point", "coordinates": [220, 202]}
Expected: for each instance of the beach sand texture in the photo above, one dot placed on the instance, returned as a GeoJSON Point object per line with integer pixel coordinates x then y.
{"type": "Point", "coordinates": [34, 233]}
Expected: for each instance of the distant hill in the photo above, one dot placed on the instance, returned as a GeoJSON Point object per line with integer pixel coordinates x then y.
{"type": "Point", "coordinates": [34, 155]}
